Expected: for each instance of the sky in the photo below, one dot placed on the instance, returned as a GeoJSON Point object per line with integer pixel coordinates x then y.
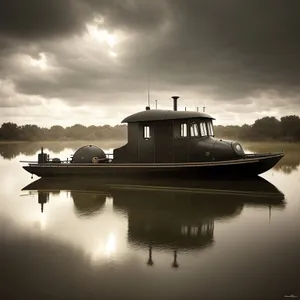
{"type": "Point", "coordinates": [92, 62]}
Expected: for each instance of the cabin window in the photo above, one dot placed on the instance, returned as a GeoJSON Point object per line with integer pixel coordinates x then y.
{"type": "Point", "coordinates": [147, 132]}
{"type": "Point", "coordinates": [183, 130]}
{"type": "Point", "coordinates": [210, 128]}
{"type": "Point", "coordinates": [203, 129]}
{"type": "Point", "coordinates": [194, 230]}
{"type": "Point", "coordinates": [184, 230]}
{"type": "Point", "coordinates": [194, 129]}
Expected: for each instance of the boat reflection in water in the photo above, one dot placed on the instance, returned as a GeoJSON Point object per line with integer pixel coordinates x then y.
{"type": "Point", "coordinates": [85, 204]}
{"type": "Point", "coordinates": [166, 215]}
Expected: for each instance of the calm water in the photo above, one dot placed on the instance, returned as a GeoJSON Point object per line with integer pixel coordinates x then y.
{"type": "Point", "coordinates": [84, 239]}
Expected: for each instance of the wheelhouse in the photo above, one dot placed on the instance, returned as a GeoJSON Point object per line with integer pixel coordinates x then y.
{"type": "Point", "coordinates": [166, 136]}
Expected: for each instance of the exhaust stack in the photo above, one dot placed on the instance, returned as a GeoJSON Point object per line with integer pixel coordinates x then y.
{"type": "Point", "coordinates": [175, 98]}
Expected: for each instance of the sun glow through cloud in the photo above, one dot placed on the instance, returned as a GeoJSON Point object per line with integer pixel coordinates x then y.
{"type": "Point", "coordinates": [102, 35]}
{"type": "Point", "coordinates": [112, 53]}
{"type": "Point", "coordinates": [97, 33]}
{"type": "Point", "coordinates": [41, 62]}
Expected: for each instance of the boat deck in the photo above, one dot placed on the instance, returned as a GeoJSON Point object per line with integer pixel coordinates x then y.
{"type": "Point", "coordinates": [247, 158]}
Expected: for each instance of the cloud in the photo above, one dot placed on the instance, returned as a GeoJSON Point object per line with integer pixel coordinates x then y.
{"type": "Point", "coordinates": [218, 53]}
{"type": "Point", "coordinates": [9, 97]}
{"type": "Point", "coordinates": [235, 46]}
{"type": "Point", "coordinates": [34, 19]}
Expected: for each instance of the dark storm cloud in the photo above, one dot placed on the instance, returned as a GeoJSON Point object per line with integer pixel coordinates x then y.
{"type": "Point", "coordinates": [35, 19]}
{"type": "Point", "coordinates": [130, 15]}
{"type": "Point", "coordinates": [238, 46]}
{"type": "Point", "coordinates": [228, 50]}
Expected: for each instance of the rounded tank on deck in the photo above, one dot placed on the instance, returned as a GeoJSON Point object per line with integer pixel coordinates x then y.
{"type": "Point", "coordinates": [89, 154]}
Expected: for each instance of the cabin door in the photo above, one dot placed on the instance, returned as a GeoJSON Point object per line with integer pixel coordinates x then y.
{"type": "Point", "coordinates": [163, 142]}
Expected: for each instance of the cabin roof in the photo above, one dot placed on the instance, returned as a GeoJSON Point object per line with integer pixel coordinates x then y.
{"type": "Point", "coordinates": [159, 114]}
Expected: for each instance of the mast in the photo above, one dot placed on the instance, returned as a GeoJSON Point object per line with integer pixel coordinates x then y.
{"type": "Point", "coordinates": [148, 89]}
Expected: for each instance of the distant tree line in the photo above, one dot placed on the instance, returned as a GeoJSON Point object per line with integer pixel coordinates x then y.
{"type": "Point", "coordinates": [265, 129]}
{"type": "Point", "coordinates": [12, 132]}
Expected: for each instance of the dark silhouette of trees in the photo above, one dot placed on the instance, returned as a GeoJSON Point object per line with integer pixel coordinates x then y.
{"type": "Point", "coordinates": [13, 132]}
{"type": "Point", "coordinates": [76, 132]}
{"type": "Point", "coordinates": [31, 133]}
{"type": "Point", "coordinates": [56, 132]}
{"type": "Point", "coordinates": [265, 129]}
{"type": "Point", "coordinates": [9, 131]}
{"type": "Point", "coordinates": [290, 127]}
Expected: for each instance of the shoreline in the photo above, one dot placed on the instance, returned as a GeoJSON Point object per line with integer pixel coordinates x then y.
{"type": "Point", "coordinates": [61, 141]}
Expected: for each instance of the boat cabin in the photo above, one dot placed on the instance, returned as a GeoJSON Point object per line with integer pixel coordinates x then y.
{"type": "Point", "coordinates": [167, 136]}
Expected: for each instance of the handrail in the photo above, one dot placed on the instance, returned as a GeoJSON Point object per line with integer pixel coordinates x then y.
{"type": "Point", "coordinates": [47, 162]}
{"type": "Point", "coordinates": [109, 156]}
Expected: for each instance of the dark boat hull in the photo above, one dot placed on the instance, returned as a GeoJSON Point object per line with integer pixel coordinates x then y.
{"type": "Point", "coordinates": [249, 166]}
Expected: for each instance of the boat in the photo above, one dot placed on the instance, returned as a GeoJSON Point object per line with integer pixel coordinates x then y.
{"type": "Point", "coordinates": [161, 143]}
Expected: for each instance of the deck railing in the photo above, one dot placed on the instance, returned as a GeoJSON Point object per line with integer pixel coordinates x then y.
{"type": "Point", "coordinates": [109, 156]}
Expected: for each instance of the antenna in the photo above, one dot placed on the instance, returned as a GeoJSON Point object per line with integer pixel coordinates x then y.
{"type": "Point", "coordinates": [148, 93]}
{"type": "Point", "coordinates": [175, 263]}
{"type": "Point", "coordinates": [150, 260]}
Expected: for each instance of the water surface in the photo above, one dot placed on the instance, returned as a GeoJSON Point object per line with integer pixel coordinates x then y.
{"type": "Point", "coordinates": [84, 239]}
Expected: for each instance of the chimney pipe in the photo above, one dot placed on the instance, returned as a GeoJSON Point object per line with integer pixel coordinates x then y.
{"type": "Point", "coordinates": [175, 102]}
